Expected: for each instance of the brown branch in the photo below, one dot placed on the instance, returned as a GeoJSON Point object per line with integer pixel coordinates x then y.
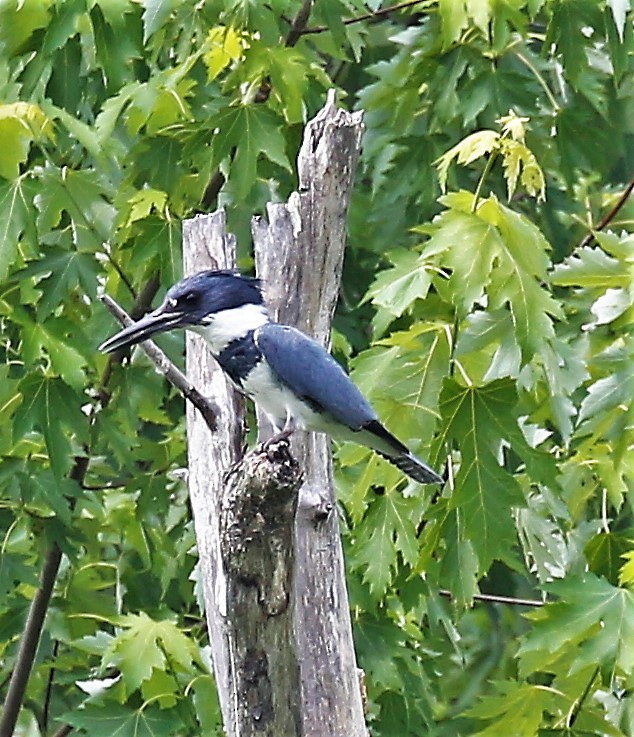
{"type": "Point", "coordinates": [298, 26]}
{"type": "Point", "coordinates": [40, 602]}
{"type": "Point", "coordinates": [141, 305]}
{"type": "Point", "coordinates": [210, 195]}
{"type": "Point", "coordinates": [366, 16]}
{"type": "Point", "coordinates": [498, 599]}
{"type": "Point", "coordinates": [296, 31]}
{"type": "Point", "coordinates": [163, 364]}
{"type": "Point", "coordinates": [63, 731]}
{"type": "Point", "coordinates": [34, 625]}
{"type": "Point", "coordinates": [144, 299]}
{"type": "Point", "coordinates": [607, 219]}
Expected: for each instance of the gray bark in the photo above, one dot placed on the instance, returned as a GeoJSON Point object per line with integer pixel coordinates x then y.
{"type": "Point", "coordinates": [299, 255]}
{"type": "Point", "coordinates": [206, 245]}
{"type": "Point", "coordinates": [273, 580]}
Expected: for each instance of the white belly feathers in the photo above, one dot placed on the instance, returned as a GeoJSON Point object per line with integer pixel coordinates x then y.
{"type": "Point", "coordinates": [278, 402]}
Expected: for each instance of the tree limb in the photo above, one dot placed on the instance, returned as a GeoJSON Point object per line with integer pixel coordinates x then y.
{"type": "Point", "coordinates": [34, 625]}
{"type": "Point", "coordinates": [40, 602]}
{"type": "Point", "coordinates": [172, 373]}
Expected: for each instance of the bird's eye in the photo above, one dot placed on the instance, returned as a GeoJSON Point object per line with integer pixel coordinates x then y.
{"type": "Point", "coordinates": [189, 298]}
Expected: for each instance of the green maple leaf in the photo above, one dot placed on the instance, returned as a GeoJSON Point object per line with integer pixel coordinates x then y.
{"type": "Point", "coordinates": [389, 528]}
{"type": "Point", "coordinates": [591, 267]}
{"type": "Point", "coordinates": [401, 376]}
{"type": "Point", "coordinates": [62, 272]}
{"type": "Point", "coordinates": [518, 710]}
{"type": "Point", "coordinates": [498, 253]}
{"type": "Point", "coordinates": [397, 288]}
{"type": "Point", "coordinates": [16, 222]}
{"type": "Point", "coordinates": [477, 420]}
{"type": "Point", "coordinates": [143, 645]}
{"type": "Point", "coordinates": [51, 338]}
{"type": "Point", "coordinates": [155, 13]}
{"type": "Point", "coordinates": [593, 616]}
{"type": "Point", "coordinates": [605, 553]}
{"type": "Point", "coordinates": [565, 30]}
{"type": "Point", "coordinates": [53, 408]}
{"type": "Point", "coordinates": [289, 72]}
{"type": "Point", "coordinates": [81, 195]}
{"type": "Point", "coordinates": [21, 123]}
{"type": "Point", "coordinates": [459, 564]}
{"type": "Point", "coordinates": [250, 130]}
{"type": "Point", "coordinates": [453, 14]}
{"type": "Point", "coordinates": [19, 21]}
{"type": "Point", "coordinates": [610, 392]}
{"type": "Point", "coordinates": [116, 720]}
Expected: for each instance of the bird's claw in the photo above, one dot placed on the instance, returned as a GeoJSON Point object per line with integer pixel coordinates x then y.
{"type": "Point", "coordinates": [276, 448]}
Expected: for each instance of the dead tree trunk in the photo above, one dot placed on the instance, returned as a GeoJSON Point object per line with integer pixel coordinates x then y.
{"type": "Point", "coordinates": [274, 584]}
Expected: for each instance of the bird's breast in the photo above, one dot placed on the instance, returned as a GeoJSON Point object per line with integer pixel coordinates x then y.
{"type": "Point", "coordinates": [278, 401]}
{"type": "Point", "coordinates": [239, 358]}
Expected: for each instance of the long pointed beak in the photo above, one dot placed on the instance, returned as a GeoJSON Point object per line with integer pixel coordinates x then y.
{"type": "Point", "coordinates": [154, 322]}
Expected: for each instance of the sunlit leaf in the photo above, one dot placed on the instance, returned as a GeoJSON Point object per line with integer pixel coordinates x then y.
{"type": "Point", "coordinates": [600, 624]}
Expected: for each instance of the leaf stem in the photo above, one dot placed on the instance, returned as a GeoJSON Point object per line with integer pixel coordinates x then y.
{"type": "Point", "coordinates": [607, 219]}
{"type": "Point", "coordinates": [489, 165]}
{"type": "Point", "coordinates": [540, 78]}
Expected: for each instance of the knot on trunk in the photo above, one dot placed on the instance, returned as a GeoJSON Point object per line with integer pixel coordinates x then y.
{"type": "Point", "coordinates": [256, 523]}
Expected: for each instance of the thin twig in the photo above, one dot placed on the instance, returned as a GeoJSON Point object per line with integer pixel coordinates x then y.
{"type": "Point", "coordinates": [497, 599]}
{"type": "Point", "coordinates": [578, 705]}
{"type": "Point", "coordinates": [607, 219]}
{"type": "Point", "coordinates": [367, 16]}
{"type": "Point", "coordinates": [63, 731]}
{"type": "Point", "coordinates": [174, 375]}
{"type": "Point", "coordinates": [540, 78]}
{"type": "Point", "coordinates": [49, 689]}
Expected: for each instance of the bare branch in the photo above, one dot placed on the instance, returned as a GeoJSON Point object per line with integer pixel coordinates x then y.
{"type": "Point", "coordinates": [172, 373]}
{"type": "Point", "coordinates": [377, 14]}
{"type": "Point", "coordinates": [298, 27]}
{"type": "Point", "coordinates": [34, 625]}
{"type": "Point", "coordinates": [498, 599]}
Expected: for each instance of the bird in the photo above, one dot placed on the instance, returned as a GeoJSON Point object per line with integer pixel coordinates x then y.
{"type": "Point", "coordinates": [291, 377]}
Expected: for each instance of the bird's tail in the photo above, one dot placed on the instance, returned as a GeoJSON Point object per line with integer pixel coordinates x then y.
{"type": "Point", "coordinates": [385, 444]}
{"type": "Point", "coordinates": [413, 467]}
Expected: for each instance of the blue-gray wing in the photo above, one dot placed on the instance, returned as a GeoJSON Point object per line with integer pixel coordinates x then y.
{"type": "Point", "coordinates": [311, 372]}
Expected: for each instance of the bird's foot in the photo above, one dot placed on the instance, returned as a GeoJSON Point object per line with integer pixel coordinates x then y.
{"type": "Point", "coordinates": [277, 445]}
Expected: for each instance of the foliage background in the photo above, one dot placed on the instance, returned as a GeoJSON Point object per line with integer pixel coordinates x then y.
{"type": "Point", "coordinates": [494, 336]}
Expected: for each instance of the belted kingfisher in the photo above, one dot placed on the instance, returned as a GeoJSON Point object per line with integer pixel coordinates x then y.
{"type": "Point", "coordinates": [291, 377]}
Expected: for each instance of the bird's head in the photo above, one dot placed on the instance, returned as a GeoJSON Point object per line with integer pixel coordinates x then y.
{"type": "Point", "coordinates": [196, 302]}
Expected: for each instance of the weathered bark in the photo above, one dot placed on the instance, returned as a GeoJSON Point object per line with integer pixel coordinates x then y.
{"type": "Point", "coordinates": [206, 245]}
{"type": "Point", "coordinates": [299, 256]}
{"type": "Point", "coordinates": [256, 542]}
{"type": "Point", "coordinates": [275, 596]}
{"type": "Point", "coordinates": [243, 513]}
